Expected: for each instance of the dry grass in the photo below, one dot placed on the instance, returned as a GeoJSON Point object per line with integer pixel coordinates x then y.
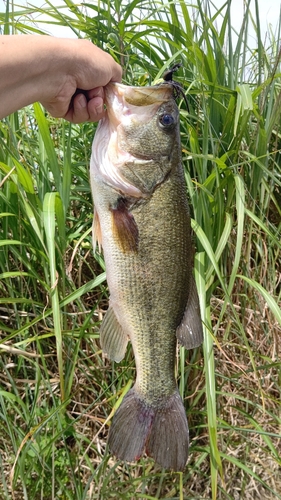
{"type": "Point", "coordinates": [244, 396]}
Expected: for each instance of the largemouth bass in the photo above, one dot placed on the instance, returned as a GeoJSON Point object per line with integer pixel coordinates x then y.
{"type": "Point", "coordinates": [142, 222]}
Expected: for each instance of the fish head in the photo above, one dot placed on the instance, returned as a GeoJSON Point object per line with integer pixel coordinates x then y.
{"type": "Point", "coordinates": [137, 139]}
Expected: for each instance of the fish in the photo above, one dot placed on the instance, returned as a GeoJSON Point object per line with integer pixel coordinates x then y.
{"type": "Point", "coordinates": [142, 223]}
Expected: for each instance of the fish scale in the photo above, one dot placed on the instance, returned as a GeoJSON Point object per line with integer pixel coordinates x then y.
{"type": "Point", "coordinates": [142, 217]}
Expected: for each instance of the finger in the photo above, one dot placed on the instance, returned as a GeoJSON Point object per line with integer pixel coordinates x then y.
{"type": "Point", "coordinates": [83, 110]}
{"type": "Point", "coordinates": [78, 112]}
{"type": "Point", "coordinates": [96, 92]}
{"type": "Point", "coordinates": [96, 109]}
{"type": "Point", "coordinates": [116, 74]}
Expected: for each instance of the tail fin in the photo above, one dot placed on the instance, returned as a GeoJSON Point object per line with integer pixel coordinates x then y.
{"type": "Point", "coordinates": [160, 430]}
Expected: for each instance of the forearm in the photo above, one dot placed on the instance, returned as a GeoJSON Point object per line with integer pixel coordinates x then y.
{"type": "Point", "coordinates": [27, 70]}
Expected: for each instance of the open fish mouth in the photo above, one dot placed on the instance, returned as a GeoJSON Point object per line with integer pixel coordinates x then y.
{"type": "Point", "coordinates": [137, 96]}
{"type": "Point", "coordinates": [134, 104]}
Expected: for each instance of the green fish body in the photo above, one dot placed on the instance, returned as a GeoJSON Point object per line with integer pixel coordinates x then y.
{"type": "Point", "coordinates": [142, 222]}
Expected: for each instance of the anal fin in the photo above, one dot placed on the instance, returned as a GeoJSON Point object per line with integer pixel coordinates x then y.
{"type": "Point", "coordinates": [112, 337]}
{"type": "Point", "coordinates": [190, 332]}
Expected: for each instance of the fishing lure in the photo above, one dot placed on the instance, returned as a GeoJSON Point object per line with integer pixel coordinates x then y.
{"type": "Point", "coordinates": [178, 89]}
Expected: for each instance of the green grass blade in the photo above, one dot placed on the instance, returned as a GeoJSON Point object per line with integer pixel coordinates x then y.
{"type": "Point", "coordinates": [48, 143]}
{"type": "Point", "coordinates": [49, 214]}
{"type": "Point", "coordinates": [215, 460]}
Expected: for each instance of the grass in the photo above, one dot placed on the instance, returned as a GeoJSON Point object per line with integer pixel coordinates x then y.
{"type": "Point", "coordinates": [57, 392]}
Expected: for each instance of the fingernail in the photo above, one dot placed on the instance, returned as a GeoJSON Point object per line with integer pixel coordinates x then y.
{"type": "Point", "coordinates": [81, 101]}
{"type": "Point", "coordinates": [99, 109]}
{"type": "Point", "coordinates": [98, 91]}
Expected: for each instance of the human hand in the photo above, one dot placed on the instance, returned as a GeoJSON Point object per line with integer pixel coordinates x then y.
{"type": "Point", "coordinates": [80, 95]}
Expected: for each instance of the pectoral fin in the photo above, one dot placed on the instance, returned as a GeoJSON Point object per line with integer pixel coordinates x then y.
{"type": "Point", "coordinates": [112, 337]}
{"type": "Point", "coordinates": [124, 227]}
{"type": "Point", "coordinates": [190, 332]}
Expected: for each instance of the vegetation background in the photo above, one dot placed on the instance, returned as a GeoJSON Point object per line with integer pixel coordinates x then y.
{"type": "Point", "coordinates": [57, 392]}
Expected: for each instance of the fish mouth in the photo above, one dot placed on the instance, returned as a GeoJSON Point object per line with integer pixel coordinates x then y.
{"type": "Point", "coordinates": [138, 96]}
{"type": "Point", "coordinates": [124, 102]}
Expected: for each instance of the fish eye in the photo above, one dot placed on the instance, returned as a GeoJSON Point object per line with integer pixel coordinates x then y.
{"type": "Point", "coordinates": [167, 120]}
